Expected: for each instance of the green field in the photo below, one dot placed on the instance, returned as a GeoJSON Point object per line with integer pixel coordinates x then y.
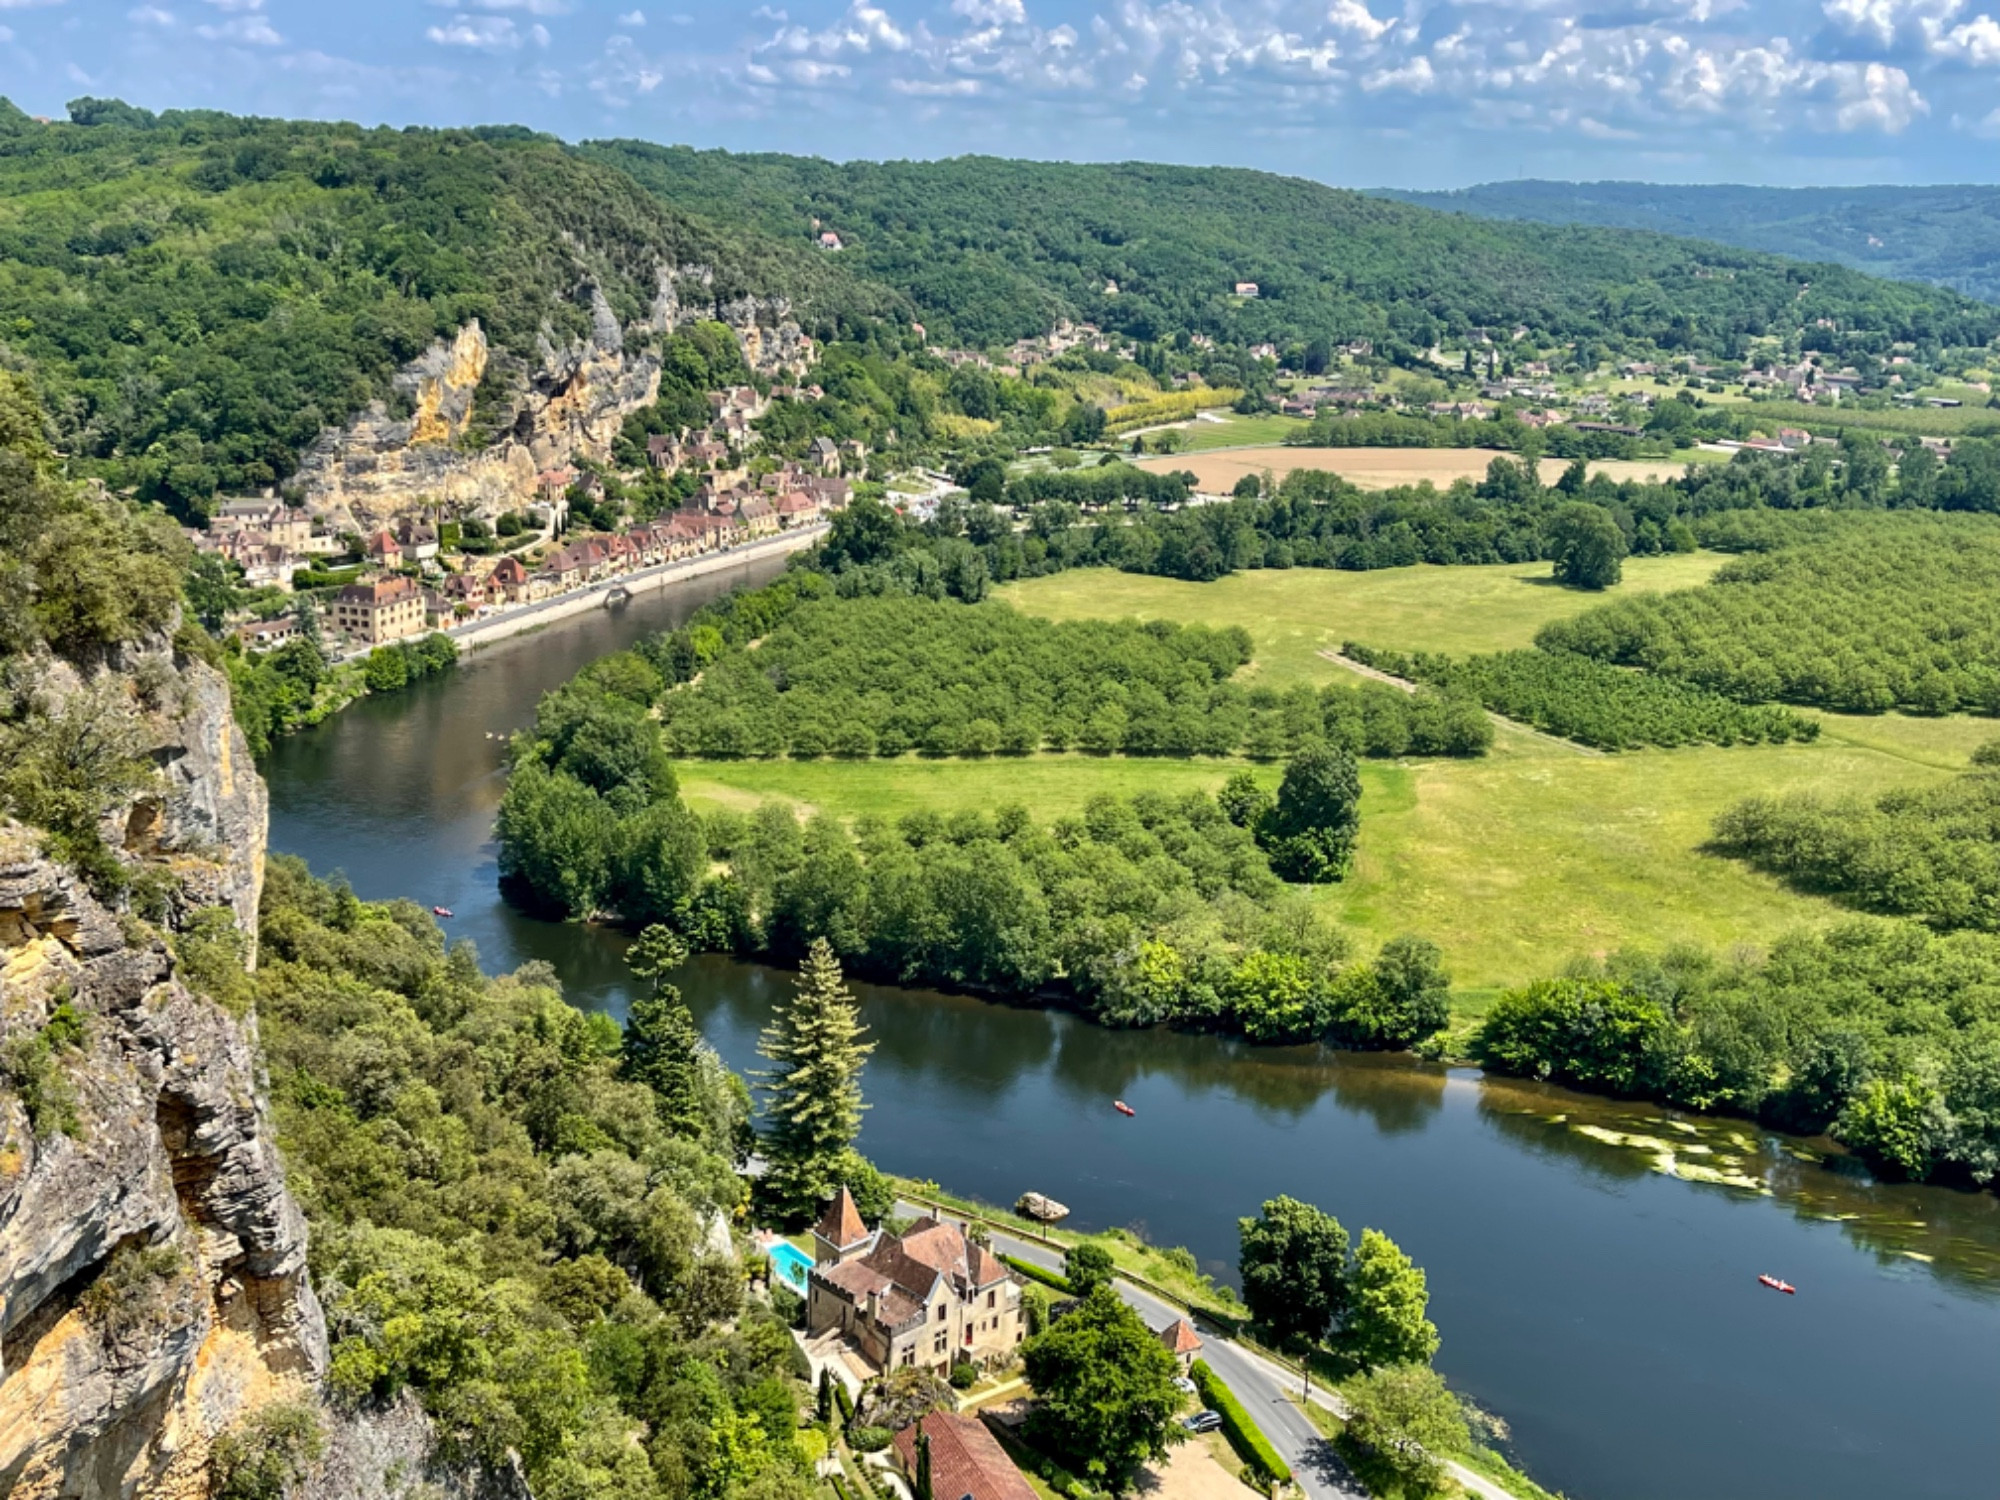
{"type": "Point", "coordinates": [1512, 864]}
{"type": "Point", "coordinates": [1294, 614]}
{"type": "Point", "coordinates": [1229, 430]}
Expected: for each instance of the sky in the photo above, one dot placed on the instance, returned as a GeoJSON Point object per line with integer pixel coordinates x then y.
{"type": "Point", "coordinates": [1420, 94]}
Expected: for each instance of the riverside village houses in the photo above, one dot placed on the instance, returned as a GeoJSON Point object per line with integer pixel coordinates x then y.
{"type": "Point", "coordinates": [927, 1298]}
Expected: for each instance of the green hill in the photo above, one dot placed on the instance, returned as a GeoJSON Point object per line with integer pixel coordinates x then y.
{"type": "Point", "coordinates": [993, 250]}
{"type": "Point", "coordinates": [1946, 235]}
{"type": "Point", "coordinates": [197, 293]}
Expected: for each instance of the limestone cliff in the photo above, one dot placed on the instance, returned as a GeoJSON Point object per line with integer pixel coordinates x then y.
{"type": "Point", "coordinates": [568, 405]}
{"type": "Point", "coordinates": [152, 1264]}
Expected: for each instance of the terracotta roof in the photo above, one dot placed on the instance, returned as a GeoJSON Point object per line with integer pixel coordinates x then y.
{"type": "Point", "coordinates": [1179, 1336]}
{"type": "Point", "coordinates": [965, 1460]}
{"type": "Point", "coordinates": [841, 1224]}
{"type": "Point", "coordinates": [379, 591]}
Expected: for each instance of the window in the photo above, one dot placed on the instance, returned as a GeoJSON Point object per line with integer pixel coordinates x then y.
{"type": "Point", "coordinates": [989, 1298]}
{"type": "Point", "coordinates": [940, 1316]}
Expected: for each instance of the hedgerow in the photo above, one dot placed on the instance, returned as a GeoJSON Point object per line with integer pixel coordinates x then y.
{"type": "Point", "coordinates": [1244, 1435]}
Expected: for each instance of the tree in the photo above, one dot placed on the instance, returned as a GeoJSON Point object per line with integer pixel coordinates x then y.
{"type": "Point", "coordinates": [1388, 1296]}
{"type": "Point", "coordinates": [1106, 1385]}
{"type": "Point", "coordinates": [923, 1479]}
{"type": "Point", "coordinates": [813, 1091]}
{"type": "Point", "coordinates": [1401, 1421]}
{"type": "Point", "coordinates": [661, 1047]}
{"type": "Point", "coordinates": [1310, 830]}
{"type": "Point", "coordinates": [1587, 546]}
{"type": "Point", "coordinates": [1293, 1261]}
{"type": "Point", "coordinates": [1087, 1267]}
{"type": "Point", "coordinates": [1400, 999]}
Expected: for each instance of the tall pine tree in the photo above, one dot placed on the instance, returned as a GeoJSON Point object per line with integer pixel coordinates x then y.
{"type": "Point", "coordinates": [661, 1048]}
{"type": "Point", "coordinates": [813, 1089]}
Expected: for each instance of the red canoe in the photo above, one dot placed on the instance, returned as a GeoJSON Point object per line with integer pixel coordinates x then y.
{"type": "Point", "coordinates": [1122, 1107]}
{"type": "Point", "coordinates": [440, 911]}
{"type": "Point", "coordinates": [1778, 1286]}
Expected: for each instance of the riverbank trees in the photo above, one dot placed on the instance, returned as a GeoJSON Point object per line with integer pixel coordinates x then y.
{"type": "Point", "coordinates": [1882, 1034]}
{"type": "Point", "coordinates": [812, 1094]}
{"type": "Point", "coordinates": [1306, 1292]}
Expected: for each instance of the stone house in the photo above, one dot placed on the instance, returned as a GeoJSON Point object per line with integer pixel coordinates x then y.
{"type": "Point", "coordinates": [927, 1298]}
{"type": "Point", "coordinates": [509, 581]}
{"type": "Point", "coordinates": [380, 610]}
{"type": "Point", "coordinates": [384, 550]}
{"type": "Point", "coordinates": [1182, 1342]}
{"type": "Point", "coordinates": [825, 455]}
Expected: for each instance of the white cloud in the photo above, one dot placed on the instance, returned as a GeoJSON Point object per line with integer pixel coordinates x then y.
{"type": "Point", "coordinates": [150, 15]}
{"type": "Point", "coordinates": [633, 18]}
{"type": "Point", "coordinates": [1415, 76]}
{"type": "Point", "coordinates": [539, 34]}
{"type": "Point", "coordinates": [926, 88]}
{"type": "Point", "coordinates": [480, 33]}
{"type": "Point", "coordinates": [1353, 18]}
{"type": "Point", "coordinates": [992, 12]}
{"type": "Point", "coordinates": [525, 7]}
{"type": "Point", "coordinates": [1976, 42]}
{"type": "Point", "coordinates": [246, 26]}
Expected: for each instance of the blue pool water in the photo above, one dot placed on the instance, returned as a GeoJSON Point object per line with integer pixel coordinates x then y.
{"type": "Point", "coordinates": [790, 1264]}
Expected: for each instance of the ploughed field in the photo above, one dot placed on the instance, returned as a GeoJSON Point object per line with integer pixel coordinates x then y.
{"type": "Point", "coordinates": [1382, 468]}
{"type": "Point", "coordinates": [1512, 863]}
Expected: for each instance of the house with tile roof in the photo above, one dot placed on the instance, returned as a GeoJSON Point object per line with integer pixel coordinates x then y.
{"type": "Point", "coordinates": [926, 1298]}
{"type": "Point", "coordinates": [1182, 1342]}
{"type": "Point", "coordinates": [966, 1460]}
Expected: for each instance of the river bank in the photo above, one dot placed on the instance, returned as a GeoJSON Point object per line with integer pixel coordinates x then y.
{"type": "Point", "coordinates": [1592, 1295]}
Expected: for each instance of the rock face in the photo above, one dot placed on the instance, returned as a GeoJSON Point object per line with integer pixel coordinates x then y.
{"type": "Point", "coordinates": [152, 1264]}
{"type": "Point", "coordinates": [570, 406]}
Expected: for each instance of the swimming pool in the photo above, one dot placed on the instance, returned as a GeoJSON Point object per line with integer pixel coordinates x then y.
{"type": "Point", "coordinates": [789, 1264]}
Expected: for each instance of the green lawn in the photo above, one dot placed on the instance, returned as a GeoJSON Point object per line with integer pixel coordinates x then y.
{"type": "Point", "coordinates": [1233, 431]}
{"type": "Point", "coordinates": [1293, 614]}
{"type": "Point", "coordinates": [1513, 863]}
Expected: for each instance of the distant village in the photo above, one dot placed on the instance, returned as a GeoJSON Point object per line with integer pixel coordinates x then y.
{"type": "Point", "coordinates": [408, 579]}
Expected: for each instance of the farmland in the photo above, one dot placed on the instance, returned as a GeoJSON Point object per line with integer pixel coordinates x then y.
{"type": "Point", "coordinates": [1380, 468]}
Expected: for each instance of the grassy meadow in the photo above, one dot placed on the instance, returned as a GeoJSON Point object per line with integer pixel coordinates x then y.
{"type": "Point", "coordinates": [1513, 863]}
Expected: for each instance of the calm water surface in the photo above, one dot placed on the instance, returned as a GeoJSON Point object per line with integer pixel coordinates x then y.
{"type": "Point", "coordinates": [1605, 1307]}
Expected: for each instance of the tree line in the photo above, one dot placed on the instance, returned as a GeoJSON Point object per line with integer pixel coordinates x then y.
{"type": "Point", "coordinates": [1585, 700]}
{"type": "Point", "coordinates": [1882, 1034]}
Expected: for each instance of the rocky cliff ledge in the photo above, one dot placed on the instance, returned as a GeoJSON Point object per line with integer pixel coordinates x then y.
{"type": "Point", "coordinates": [153, 1283]}
{"type": "Point", "coordinates": [568, 406]}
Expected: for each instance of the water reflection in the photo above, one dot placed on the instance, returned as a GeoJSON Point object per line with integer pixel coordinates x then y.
{"type": "Point", "coordinates": [1591, 1267]}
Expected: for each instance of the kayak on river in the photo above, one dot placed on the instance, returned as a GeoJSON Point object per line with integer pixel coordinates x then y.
{"type": "Point", "coordinates": [440, 911]}
{"type": "Point", "coordinates": [1122, 1107]}
{"type": "Point", "coordinates": [1778, 1286]}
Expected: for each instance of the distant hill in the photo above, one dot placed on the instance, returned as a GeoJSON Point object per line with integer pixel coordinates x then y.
{"type": "Point", "coordinates": [1946, 235]}
{"type": "Point", "coordinates": [991, 250]}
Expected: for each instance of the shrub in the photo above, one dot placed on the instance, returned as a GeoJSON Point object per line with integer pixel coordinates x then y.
{"type": "Point", "coordinates": [265, 1454]}
{"type": "Point", "coordinates": [1034, 1272]}
{"type": "Point", "coordinates": [869, 1439]}
{"type": "Point", "coordinates": [964, 1375]}
{"type": "Point", "coordinates": [1244, 1435]}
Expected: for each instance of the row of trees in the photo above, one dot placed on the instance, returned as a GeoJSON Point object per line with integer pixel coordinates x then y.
{"type": "Point", "coordinates": [1849, 611]}
{"type": "Point", "coordinates": [1585, 700]}
{"type": "Point", "coordinates": [1883, 1034]}
{"type": "Point", "coordinates": [885, 674]}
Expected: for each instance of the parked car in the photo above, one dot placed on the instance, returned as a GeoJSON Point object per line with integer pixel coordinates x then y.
{"type": "Point", "coordinates": [1182, 1383]}
{"type": "Point", "coordinates": [1202, 1421]}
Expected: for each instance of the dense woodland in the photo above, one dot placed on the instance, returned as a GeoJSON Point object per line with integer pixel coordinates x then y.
{"type": "Point", "coordinates": [1859, 613]}
{"type": "Point", "coordinates": [991, 251]}
{"type": "Point", "coordinates": [200, 294]}
{"type": "Point", "coordinates": [1948, 235]}
{"type": "Point", "coordinates": [1883, 1034]}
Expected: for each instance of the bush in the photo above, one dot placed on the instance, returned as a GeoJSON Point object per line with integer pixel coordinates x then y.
{"type": "Point", "coordinates": [869, 1439]}
{"type": "Point", "coordinates": [263, 1456]}
{"type": "Point", "coordinates": [1034, 1272]}
{"type": "Point", "coordinates": [1244, 1435]}
{"type": "Point", "coordinates": [964, 1375]}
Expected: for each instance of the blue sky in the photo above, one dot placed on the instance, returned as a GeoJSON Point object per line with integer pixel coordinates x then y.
{"type": "Point", "coordinates": [1419, 93]}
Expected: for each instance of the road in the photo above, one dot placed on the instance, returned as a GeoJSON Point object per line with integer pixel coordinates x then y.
{"type": "Point", "coordinates": [1264, 1387]}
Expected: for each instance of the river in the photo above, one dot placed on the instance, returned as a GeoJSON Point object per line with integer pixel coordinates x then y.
{"type": "Point", "coordinates": [1603, 1306]}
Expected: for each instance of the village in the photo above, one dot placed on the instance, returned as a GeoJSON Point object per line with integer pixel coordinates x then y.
{"type": "Point", "coordinates": [427, 572]}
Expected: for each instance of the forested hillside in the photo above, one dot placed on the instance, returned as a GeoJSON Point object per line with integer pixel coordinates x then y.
{"type": "Point", "coordinates": [993, 250]}
{"type": "Point", "coordinates": [199, 293]}
{"type": "Point", "coordinates": [1948, 235]}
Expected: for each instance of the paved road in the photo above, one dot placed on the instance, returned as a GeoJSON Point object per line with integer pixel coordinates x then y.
{"type": "Point", "coordinates": [1259, 1385]}
{"type": "Point", "coordinates": [1264, 1388]}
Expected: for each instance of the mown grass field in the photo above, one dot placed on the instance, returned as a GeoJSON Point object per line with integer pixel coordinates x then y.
{"type": "Point", "coordinates": [1216, 472]}
{"type": "Point", "coordinates": [1294, 614]}
{"type": "Point", "coordinates": [1513, 863]}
